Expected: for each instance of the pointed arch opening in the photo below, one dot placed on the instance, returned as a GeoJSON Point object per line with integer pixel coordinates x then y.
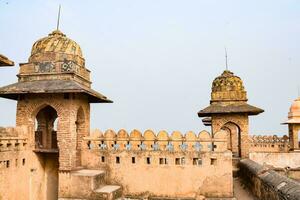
{"type": "Point", "coordinates": [46, 147]}
{"type": "Point", "coordinates": [80, 133]}
{"type": "Point", "coordinates": [233, 138]}
{"type": "Point", "coordinates": [46, 123]}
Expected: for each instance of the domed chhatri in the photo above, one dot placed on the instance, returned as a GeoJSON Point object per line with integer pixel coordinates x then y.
{"type": "Point", "coordinates": [228, 87]}
{"type": "Point", "coordinates": [295, 107]}
{"type": "Point", "coordinates": [293, 123]}
{"type": "Point", "coordinates": [294, 114]}
{"type": "Point", "coordinates": [229, 110]}
{"type": "Point", "coordinates": [55, 65]}
{"type": "Point", "coordinates": [228, 95]}
{"type": "Point", "coordinates": [55, 43]}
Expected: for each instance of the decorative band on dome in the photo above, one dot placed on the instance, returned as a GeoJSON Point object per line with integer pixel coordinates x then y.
{"type": "Point", "coordinates": [57, 33]}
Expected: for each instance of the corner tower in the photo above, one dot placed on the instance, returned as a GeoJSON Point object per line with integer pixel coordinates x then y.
{"type": "Point", "coordinates": [293, 123]}
{"type": "Point", "coordinates": [228, 110]}
{"type": "Point", "coordinates": [53, 95]}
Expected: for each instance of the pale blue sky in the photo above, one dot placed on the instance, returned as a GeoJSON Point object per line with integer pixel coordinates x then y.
{"type": "Point", "coordinates": [156, 59]}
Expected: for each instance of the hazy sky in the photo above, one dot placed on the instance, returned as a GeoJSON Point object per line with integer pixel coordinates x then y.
{"type": "Point", "coordinates": [156, 59]}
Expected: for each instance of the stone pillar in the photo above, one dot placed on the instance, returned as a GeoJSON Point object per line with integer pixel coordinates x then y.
{"type": "Point", "coordinates": [294, 130]}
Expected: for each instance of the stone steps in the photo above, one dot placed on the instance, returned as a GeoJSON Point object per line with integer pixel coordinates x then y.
{"type": "Point", "coordinates": [89, 181]}
{"type": "Point", "coordinates": [108, 192]}
{"type": "Point", "coordinates": [93, 178]}
{"type": "Point", "coordinates": [90, 184]}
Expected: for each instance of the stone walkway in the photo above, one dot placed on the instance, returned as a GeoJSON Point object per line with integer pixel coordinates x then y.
{"type": "Point", "coordinates": [240, 192]}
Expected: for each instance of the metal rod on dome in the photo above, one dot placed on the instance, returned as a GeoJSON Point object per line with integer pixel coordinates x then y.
{"type": "Point", "coordinates": [58, 18]}
{"type": "Point", "coordinates": [226, 58]}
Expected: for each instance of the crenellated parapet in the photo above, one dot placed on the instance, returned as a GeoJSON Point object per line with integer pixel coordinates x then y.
{"type": "Point", "coordinates": [150, 141]}
{"type": "Point", "coordinates": [265, 143]}
{"type": "Point", "coordinates": [12, 139]}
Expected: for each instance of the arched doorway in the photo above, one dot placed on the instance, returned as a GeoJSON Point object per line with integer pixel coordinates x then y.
{"type": "Point", "coordinates": [80, 133]}
{"type": "Point", "coordinates": [233, 138]}
{"type": "Point", "coordinates": [229, 137]}
{"type": "Point", "coordinates": [46, 129]}
{"type": "Point", "coordinates": [46, 148]}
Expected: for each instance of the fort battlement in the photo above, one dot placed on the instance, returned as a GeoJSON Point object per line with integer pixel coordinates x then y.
{"type": "Point", "coordinates": [52, 154]}
{"type": "Point", "coordinates": [264, 143]}
{"type": "Point", "coordinates": [12, 139]}
{"type": "Point", "coordinates": [168, 159]}
{"type": "Point", "coordinates": [149, 140]}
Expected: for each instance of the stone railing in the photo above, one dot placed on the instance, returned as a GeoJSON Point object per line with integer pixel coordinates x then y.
{"type": "Point", "coordinates": [149, 141]}
{"type": "Point", "coordinates": [259, 143]}
{"type": "Point", "coordinates": [267, 184]}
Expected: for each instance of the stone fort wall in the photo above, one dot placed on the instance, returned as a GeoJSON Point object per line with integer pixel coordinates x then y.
{"type": "Point", "coordinates": [22, 174]}
{"type": "Point", "coordinates": [265, 143]}
{"type": "Point", "coordinates": [267, 184]}
{"type": "Point", "coordinates": [14, 158]}
{"type": "Point", "coordinates": [287, 164]}
{"type": "Point", "coordinates": [163, 165]}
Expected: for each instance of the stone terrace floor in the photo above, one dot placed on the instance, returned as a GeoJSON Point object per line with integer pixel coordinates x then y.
{"type": "Point", "coordinates": [240, 192]}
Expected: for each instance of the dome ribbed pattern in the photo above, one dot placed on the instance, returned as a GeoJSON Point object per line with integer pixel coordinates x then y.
{"type": "Point", "coordinates": [228, 87]}
{"type": "Point", "coordinates": [56, 42]}
{"type": "Point", "coordinates": [227, 82]}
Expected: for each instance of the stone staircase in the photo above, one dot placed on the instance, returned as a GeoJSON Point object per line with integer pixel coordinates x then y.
{"type": "Point", "coordinates": [235, 166]}
{"type": "Point", "coordinates": [108, 192]}
{"type": "Point", "coordinates": [89, 184]}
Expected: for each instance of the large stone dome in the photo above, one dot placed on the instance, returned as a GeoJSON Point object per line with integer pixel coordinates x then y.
{"type": "Point", "coordinates": [228, 87]}
{"type": "Point", "coordinates": [56, 43]}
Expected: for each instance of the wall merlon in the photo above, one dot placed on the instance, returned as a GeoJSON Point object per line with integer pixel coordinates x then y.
{"type": "Point", "coordinates": [268, 143]}
{"type": "Point", "coordinates": [175, 141]}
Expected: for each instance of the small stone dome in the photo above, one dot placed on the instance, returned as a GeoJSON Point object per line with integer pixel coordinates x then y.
{"type": "Point", "coordinates": [294, 114]}
{"type": "Point", "coordinates": [227, 82]}
{"type": "Point", "coordinates": [295, 107]}
{"type": "Point", "coordinates": [228, 87]}
{"type": "Point", "coordinates": [55, 42]}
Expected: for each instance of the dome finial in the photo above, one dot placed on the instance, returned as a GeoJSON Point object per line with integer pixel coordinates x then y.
{"type": "Point", "coordinates": [58, 18]}
{"type": "Point", "coordinates": [226, 61]}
